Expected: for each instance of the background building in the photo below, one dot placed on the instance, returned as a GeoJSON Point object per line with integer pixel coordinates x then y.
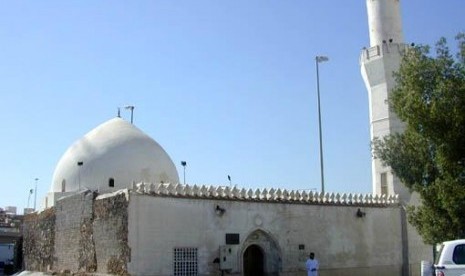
{"type": "Point", "coordinates": [10, 240]}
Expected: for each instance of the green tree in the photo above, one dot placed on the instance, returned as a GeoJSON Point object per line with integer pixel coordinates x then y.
{"type": "Point", "coordinates": [429, 156]}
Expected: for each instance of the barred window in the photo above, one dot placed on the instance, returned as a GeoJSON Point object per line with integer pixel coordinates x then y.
{"type": "Point", "coordinates": [185, 261]}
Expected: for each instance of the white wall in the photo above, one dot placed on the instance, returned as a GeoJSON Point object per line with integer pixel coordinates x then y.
{"type": "Point", "coordinates": [344, 243]}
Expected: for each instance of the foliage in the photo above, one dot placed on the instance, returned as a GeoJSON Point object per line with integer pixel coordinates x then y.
{"type": "Point", "coordinates": [429, 156]}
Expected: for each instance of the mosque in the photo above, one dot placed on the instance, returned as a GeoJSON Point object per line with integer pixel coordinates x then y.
{"type": "Point", "coordinates": [116, 205]}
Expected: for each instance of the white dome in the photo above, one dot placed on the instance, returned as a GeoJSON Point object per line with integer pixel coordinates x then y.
{"type": "Point", "coordinates": [113, 156]}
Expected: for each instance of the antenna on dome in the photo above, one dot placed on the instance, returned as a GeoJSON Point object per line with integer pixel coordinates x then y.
{"type": "Point", "coordinates": [131, 107]}
{"type": "Point", "coordinates": [119, 113]}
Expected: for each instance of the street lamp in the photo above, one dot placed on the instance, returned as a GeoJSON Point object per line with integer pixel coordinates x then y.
{"type": "Point", "coordinates": [35, 193]}
{"type": "Point", "coordinates": [184, 164]}
{"type": "Point", "coordinates": [29, 197]}
{"type": "Point", "coordinates": [319, 59]}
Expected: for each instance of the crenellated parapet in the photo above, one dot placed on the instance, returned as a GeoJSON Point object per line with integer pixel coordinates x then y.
{"type": "Point", "coordinates": [386, 48]}
{"type": "Point", "coordinates": [264, 195]}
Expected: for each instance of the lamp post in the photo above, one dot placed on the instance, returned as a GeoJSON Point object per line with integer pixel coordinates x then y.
{"type": "Point", "coordinates": [318, 60]}
{"type": "Point", "coordinates": [184, 164]}
{"type": "Point", "coordinates": [35, 193]}
{"type": "Point", "coordinates": [29, 197]}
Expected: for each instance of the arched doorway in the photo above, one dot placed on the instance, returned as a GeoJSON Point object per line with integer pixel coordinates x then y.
{"type": "Point", "coordinates": [254, 261]}
{"type": "Point", "coordinates": [261, 255]}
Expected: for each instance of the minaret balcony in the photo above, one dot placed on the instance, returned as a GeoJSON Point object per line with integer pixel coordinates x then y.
{"type": "Point", "coordinates": [378, 51]}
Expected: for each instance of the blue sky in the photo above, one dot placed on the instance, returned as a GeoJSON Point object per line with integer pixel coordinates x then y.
{"type": "Point", "coordinates": [228, 86]}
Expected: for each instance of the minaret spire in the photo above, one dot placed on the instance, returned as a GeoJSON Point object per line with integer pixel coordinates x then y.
{"type": "Point", "coordinates": [384, 21]}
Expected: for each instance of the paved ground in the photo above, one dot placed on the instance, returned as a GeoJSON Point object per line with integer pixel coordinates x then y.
{"type": "Point", "coordinates": [29, 273]}
{"type": "Point", "coordinates": [24, 273]}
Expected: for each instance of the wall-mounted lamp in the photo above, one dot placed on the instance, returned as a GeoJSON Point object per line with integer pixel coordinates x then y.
{"type": "Point", "coordinates": [360, 214]}
{"type": "Point", "coordinates": [219, 211]}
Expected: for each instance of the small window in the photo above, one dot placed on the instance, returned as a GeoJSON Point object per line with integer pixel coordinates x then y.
{"type": "Point", "coordinates": [185, 262]}
{"type": "Point", "coordinates": [63, 186]}
{"type": "Point", "coordinates": [459, 254]}
{"type": "Point", "coordinates": [384, 185]}
{"type": "Point", "coordinates": [111, 182]}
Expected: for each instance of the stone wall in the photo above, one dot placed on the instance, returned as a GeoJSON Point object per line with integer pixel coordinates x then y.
{"type": "Point", "coordinates": [39, 240]}
{"type": "Point", "coordinates": [73, 233]}
{"type": "Point", "coordinates": [81, 233]}
{"type": "Point", "coordinates": [110, 227]}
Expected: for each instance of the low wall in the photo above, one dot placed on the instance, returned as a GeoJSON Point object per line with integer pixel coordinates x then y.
{"type": "Point", "coordinates": [73, 233]}
{"type": "Point", "coordinates": [345, 244]}
{"type": "Point", "coordinates": [39, 240]}
{"type": "Point", "coordinates": [79, 234]}
{"type": "Point", "coordinates": [110, 227]}
{"type": "Point", "coordinates": [128, 232]}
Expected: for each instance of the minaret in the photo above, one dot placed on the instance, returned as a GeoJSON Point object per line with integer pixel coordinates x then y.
{"type": "Point", "coordinates": [378, 62]}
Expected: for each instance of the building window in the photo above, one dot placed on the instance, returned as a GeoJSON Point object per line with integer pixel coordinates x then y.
{"type": "Point", "coordinates": [63, 186]}
{"type": "Point", "coordinates": [384, 185]}
{"type": "Point", "coordinates": [459, 254]}
{"type": "Point", "coordinates": [111, 182]}
{"type": "Point", "coordinates": [185, 262]}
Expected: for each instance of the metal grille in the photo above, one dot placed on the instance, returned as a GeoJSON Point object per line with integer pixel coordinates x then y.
{"type": "Point", "coordinates": [185, 261]}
